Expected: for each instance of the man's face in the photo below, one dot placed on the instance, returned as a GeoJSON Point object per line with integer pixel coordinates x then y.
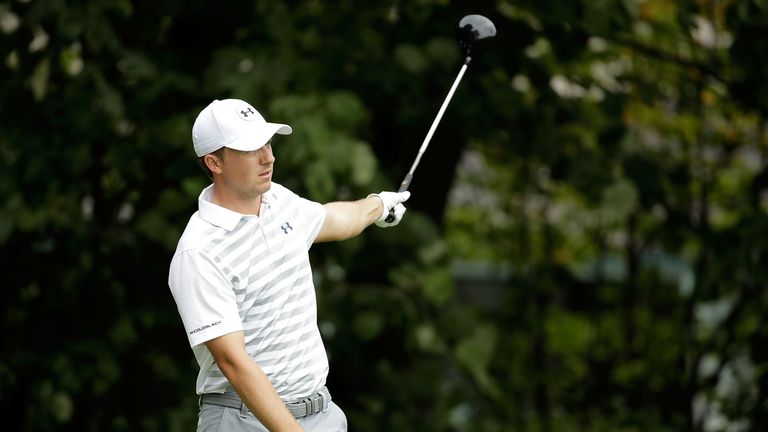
{"type": "Point", "coordinates": [247, 173]}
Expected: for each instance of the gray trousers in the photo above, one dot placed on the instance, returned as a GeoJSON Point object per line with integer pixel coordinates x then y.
{"type": "Point", "coordinates": [214, 418]}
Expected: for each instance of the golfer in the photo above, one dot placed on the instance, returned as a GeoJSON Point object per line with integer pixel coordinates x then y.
{"type": "Point", "coordinates": [243, 285]}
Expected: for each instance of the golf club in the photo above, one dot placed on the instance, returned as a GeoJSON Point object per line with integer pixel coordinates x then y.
{"type": "Point", "coordinates": [473, 33]}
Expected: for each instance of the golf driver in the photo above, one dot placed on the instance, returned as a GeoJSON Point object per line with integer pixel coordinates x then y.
{"type": "Point", "coordinates": [473, 33]}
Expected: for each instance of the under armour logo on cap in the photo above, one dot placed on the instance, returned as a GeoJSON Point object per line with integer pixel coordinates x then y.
{"type": "Point", "coordinates": [247, 113]}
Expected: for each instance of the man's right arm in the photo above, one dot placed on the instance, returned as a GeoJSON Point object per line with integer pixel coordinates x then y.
{"type": "Point", "coordinates": [251, 383]}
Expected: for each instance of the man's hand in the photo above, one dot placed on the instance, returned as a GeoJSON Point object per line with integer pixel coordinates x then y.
{"type": "Point", "coordinates": [391, 201]}
{"type": "Point", "coordinates": [250, 382]}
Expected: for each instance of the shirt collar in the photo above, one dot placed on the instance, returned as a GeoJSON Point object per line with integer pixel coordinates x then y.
{"type": "Point", "coordinates": [215, 214]}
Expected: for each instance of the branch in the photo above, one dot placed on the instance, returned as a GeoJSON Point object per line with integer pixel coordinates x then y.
{"type": "Point", "coordinates": [671, 57]}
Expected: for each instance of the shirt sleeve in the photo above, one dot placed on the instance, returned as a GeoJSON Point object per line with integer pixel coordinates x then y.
{"type": "Point", "coordinates": [313, 215]}
{"type": "Point", "coordinates": [204, 297]}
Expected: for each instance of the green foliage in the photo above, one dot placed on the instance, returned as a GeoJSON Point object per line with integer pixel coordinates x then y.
{"type": "Point", "coordinates": [628, 229]}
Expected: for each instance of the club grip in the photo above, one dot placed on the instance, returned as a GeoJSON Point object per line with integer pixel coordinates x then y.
{"type": "Point", "coordinates": [406, 182]}
{"type": "Point", "coordinates": [403, 187]}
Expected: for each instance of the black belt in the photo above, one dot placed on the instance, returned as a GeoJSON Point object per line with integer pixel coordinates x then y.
{"type": "Point", "coordinates": [300, 408]}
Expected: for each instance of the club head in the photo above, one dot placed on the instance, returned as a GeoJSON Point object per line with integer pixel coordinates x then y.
{"type": "Point", "coordinates": [474, 34]}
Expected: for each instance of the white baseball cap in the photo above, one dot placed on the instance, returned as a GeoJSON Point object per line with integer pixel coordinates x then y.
{"type": "Point", "coordinates": [235, 124]}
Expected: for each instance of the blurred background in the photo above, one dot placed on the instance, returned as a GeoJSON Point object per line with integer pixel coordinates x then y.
{"type": "Point", "coordinates": [585, 247]}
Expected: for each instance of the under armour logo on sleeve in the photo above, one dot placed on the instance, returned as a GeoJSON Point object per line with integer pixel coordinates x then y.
{"type": "Point", "coordinates": [286, 227]}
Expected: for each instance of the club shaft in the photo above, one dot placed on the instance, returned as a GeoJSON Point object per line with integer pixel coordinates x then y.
{"type": "Point", "coordinates": [407, 180]}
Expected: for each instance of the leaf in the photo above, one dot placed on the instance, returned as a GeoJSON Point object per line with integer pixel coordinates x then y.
{"type": "Point", "coordinates": [438, 286]}
{"type": "Point", "coordinates": [61, 406]}
{"type": "Point", "coordinates": [368, 325]}
{"type": "Point", "coordinates": [410, 58]}
{"type": "Point", "coordinates": [345, 110]}
{"type": "Point", "coordinates": [475, 352]}
{"type": "Point", "coordinates": [71, 61]}
{"type": "Point", "coordinates": [428, 339]}
{"type": "Point", "coordinates": [364, 164]}
{"type": "Point", "coordinates": [619, 200]}
{"type": "Point", "coordinates": [38, 81]}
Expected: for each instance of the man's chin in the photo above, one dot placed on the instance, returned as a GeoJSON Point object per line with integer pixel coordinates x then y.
{"type": "Point", "coordinates": [266, 186]}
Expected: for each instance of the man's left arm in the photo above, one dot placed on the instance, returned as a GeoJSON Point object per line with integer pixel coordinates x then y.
{"type": "Point", "coordinates": [346, 219]}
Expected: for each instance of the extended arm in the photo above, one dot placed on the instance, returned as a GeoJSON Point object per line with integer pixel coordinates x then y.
{"type": "Point", "coordinates": [346, 219]}
{"type": "Point", "coordinates": [251, 383]}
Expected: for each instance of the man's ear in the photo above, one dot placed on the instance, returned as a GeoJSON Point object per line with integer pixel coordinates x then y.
{"type": "Point", "coordinates": [213, 163]}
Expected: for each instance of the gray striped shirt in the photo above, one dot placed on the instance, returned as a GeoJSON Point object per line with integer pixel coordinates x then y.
{"type": "Point", "coordinates": [234, 272]}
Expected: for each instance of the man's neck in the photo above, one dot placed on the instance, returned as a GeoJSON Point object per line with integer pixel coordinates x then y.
{"type": "Point", "coordinates": [249, 206]}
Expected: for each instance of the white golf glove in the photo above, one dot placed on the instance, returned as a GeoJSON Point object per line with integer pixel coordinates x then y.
{"type": "Point", "coordinates": [391, 201]}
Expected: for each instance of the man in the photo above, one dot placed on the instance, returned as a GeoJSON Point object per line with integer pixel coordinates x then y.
{"type": "Point", "coordinates": [243, 285]}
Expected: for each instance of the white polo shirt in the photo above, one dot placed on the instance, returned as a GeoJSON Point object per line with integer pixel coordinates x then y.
{"type": "Point", "coordinates": [233, 272]}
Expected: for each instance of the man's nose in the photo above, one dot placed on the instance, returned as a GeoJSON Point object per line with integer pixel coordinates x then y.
{"type": "Point", "coordinates": [267, 157]}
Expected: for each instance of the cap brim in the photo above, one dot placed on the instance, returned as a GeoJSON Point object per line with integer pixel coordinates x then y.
{"type": "Point", "coordinates": [255, 141]}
